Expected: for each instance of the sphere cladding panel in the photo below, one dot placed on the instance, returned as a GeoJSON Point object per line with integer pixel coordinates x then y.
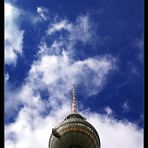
{"type": "Point", "coordinates": [75, 132]}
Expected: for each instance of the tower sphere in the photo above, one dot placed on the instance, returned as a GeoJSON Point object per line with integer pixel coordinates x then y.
{"type": "Point", "coordinates": [74, 132]}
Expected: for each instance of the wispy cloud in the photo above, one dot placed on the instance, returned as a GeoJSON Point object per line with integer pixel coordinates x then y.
{"type": "Point", "coordinates": [108, 111]}
{"type": "Point", "coordinates": [11, 103]}
{"type": "Point", "coordinates": [43, 13]}
{"type": "Point", "coordinates": [126, 107]}
{"type": "Point", "coordinates": [62, 69]}
{"type": "Point", "coordinates": [31, 17]}
{"type": "Point", "coordinates": [13, 34]}
{"type": "Point", "coordinates": [54, 71]}
{"type": "Point", "coordinates": [139, 43]}
{"type": "Point", "coordinates": [63, 24]}
{"type": "Point", "coordinates": [38, 129]}
{"type": "Point", "coordinates": [82, 30]}
{"type": "Point", "coordinates": [110, 129]}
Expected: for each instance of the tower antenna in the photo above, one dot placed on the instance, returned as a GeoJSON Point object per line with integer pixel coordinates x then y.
{"type": "Point", "coordinates": [74, 107]}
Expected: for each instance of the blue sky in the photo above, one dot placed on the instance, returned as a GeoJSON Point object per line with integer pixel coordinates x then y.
{"type": "Point", "coordinates": [50, 45]}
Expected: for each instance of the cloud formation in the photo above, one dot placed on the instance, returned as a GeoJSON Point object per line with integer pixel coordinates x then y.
{"type": "Point", "coordinates": [61, 25]}
{"type": "Point", "coordinates": [108, 111]}
{"type": "Point", "coordinates": [126, 107]}
{"type": "Point", "coordinates": [114, 133]}
{"type": "Point", "coordinates": [56, 74]}
{"type": "Point", "coordinates": [44, 95]}
{"type": "Point", "coordinates": [82, 30]}
{"type": "Point", "coordinates": [37, 130]}
{"type": "Point", "coordinates": [13, 34]}
{"type": "Point", "coordinates": [42, 12]}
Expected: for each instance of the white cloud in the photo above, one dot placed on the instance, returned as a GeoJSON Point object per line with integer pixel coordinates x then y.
{"type": "Point", "coordinates": [13, 34]}
{"type": "Point", "coordinates": [108, 110]}
{"type": "Point", "coordinates": [32, 130]}
{"type": "Point", "coordinates": [55, 73]}
{"type": "Point", "coordinates": [55, 49]}
{"type": "Point", "coordinates": [32, 18]}
{"type": "Point", "coordinates": [114, 133]}
{"type": "Point", "coordinates": [82, 30]}
{"type": "Point", "coordinates": [11, 99]}
{"type": "Point", "coordinates": [42, 12]}
{"type": "Point", "coordinates": [52, 69]}
{"type": "Point", "coordinates": [64, 24]}
{"type": "Point", "coordinates": [6, 77]}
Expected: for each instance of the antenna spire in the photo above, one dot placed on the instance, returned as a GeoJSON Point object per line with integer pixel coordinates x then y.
{"type": "Point", "coordinates": [74, 108]}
